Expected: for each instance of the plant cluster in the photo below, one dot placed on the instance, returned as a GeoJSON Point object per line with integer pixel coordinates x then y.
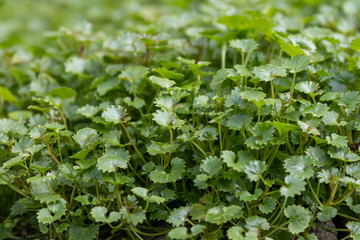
{"type": "Point", "coordinates": [216, 123]}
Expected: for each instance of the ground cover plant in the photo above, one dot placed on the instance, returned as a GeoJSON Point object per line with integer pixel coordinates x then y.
{"type": "Point", "coordinates": [194, 120]}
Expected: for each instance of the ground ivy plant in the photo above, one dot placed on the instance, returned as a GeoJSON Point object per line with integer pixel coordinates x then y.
{"type": "Point", "coordinates": [211, 121]}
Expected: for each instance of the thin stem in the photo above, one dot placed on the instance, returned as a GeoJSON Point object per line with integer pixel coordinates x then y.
{"type": "Point", "coordinates": [223, 55]}
{"type": "Point", "coordinates": [198, 147]}
{"type": "Point", "coordinates": [59, 146]}
{"type": "Point", "coordinates": [313, 192]}
{"type": "Point", "coordinates": [293, 85]}
{"type": "Point", "coordinates": [133, 144]}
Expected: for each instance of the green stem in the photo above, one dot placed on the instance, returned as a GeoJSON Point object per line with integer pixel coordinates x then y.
{"type": "Point", "coordinates": [313, 192]}
{"type": "Point", "coordinates": [223, 55]}
{"type": "Point", "coordinates": [133, 144]}
{"type": "Point", "coordinates": [280, 212]}
{"type": "Point", "coordinates": [198, 147]}
{"type": "Point", "coordinates": [220, 137]}
{"type": "Point", "coordinates": [293, 85]}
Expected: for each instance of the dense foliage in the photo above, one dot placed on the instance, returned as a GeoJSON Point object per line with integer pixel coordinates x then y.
{"type": "Point", "coordinates": [192, 120]}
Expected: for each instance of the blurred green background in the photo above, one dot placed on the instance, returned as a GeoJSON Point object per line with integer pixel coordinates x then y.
{"type": "Point", "coordinates": [25, 21]}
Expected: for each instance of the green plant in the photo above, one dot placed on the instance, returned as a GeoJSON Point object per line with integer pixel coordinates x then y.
{"type": "Point", "coordinates": [244, 129]}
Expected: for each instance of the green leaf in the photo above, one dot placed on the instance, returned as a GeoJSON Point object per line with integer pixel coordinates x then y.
{"type": "Point", "coordinates": [161, 148]}
{"type": "Point", "coordinates": [230, 159]}
{"type": "Point", "coordinates": [283, 128]}
{"type": "Point", "coordinates": [143, 193]}
{"type": "Point", "coordinates": [113, 137]}
{"type": "Point", "coordinates": [297, 64]}
{"type": "Point", "coordinates": [238, 121]}
{"type": "Point", "coordinates": [88, 111]}
{"type": "Point", "coordinates": [343, 154]}
{"type": "Point", "coordinates": [218, 215]}
{"type": "Point", "coordinates": [160, 176]}
{"type": "Point", "coordinates": [256, 223]}
{"type": "Point", "coordinates": [254, 169]}
{"type": "Point", "coordinates": [299, 218]}
{"type": "Point", "coordinates": [134, 73]}
{"type": "Point", "coordinates": [244, 45]}
{"type": "Point", "coordinates": [15, 161]}
{"type": "Point", "coordinates": [98, 213]}
{"type": "Point", "coordinates": [337, 140]}
{"type": "Point", "coordinates": [317, 109]}
{"type": "Point", "coordinates": [211, 165]}
{"type": "Point", "coordinates": [355, 44]}
{"type": "Point", "coordinates": [318, 156]}
{"type": "Point", "coordinates": [262, 133]}
{"type": "Point", "coordinates": [307, 87]}
{"type": "Point", "coordinates": [294, 186]}
{"type": "Point", "coordinates": [135, 217]}
{"type": "Point", "coordinates": [350, 100]}
{"type": "Point", "coordinates": [63, 93]}
{"type": "Point", "coordinates": [77, 232]}
{"type": "Point", "coordinates": [291, 49]}
{"type": "Point", "coordinates": [198, 211]}
{"type": "Point", "coordinates": [235, 233]}
{"type": "Point", "coordinates": [268, 72]}
{"type": "Point", "coordinates": [354, 228]}
{"type": "Point", "coordinates": [177, 216]}
{"type": "Point", "coordinates": [268, 205]}
{"type": "Point", "coordinates": [327, 213]}
{"type": "Point", "coordinates": [183, 233]}
{"type": "Point", "coordinates": [109, 163]}
{"type": "Point", "coordinates": [252, 95]}
{"type": "Point", "coordinates": [75, 65]}
{"type": "Point", "coordinates": [242, 71]}
{"type": "Point", "coordinates": [54, 211]}
{"type": "Point", "coordinates": [248, 197]}
{"type": "Point", "coordinates": [299, 166]}
{"type": "Point", "coordinates": [6, 95]}
{"type": "Point", "coordinates": [164, 118]}
{"type": "Point", "coordinates": [352, 206]}
{"type": "Point", "coordinates": [114, 114]}
{"type": "Point", "coordinates": [162, 82]}
{"type": "Point", "coordinates": [86, 137]}
{"type": "Point", "coordinates": [165, 73]}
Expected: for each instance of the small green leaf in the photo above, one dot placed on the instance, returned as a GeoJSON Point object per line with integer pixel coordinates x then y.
{"type": "Point", "coordinates": [164, 118]}
{"type": "Point", "coordinates": [299, 218]}
{"type": "Point", "coordinates": [299, 166]}
{"type": "Point", "coordinates": [268, 205]}
{"type": "Point", "coordinates": [294, 186]}
{"type": "Point", "coordinates": [307, 87]}
{"type": "Point", "coordinates": [86, 137]}
{"type": "Point", "coordinates": [354, 228]}
{"type": "Point", "coordinates": [256, 223]}
{"type": "Point", "coordinates": [6, 95]}
{"type": "Point", "coordinates": [297, 64]}
{"type": "Point", "coordinates": [337, 140]}
{"type": "Point", "coordinates": [177, 216]}
{"type": "Point", "coordinates": [238, 121]}
{"type": "Point", "coordinates": [252, 95]}
{"type": "Point", "coordinates": [109, 163]}
{"type": "Point", "coordinates": [114, 114]}
{"type": "Point", "coordinates": [63, 93]}
{"type": "Point", "coordinates": [143, 193]}
{"type": "Point", "coordinates": [53, 212]}
{"type": "Point", "coordinates": [162, 82]}
{"type": "Point", "coordinates": [327, 213]}
{"type": "Point", "coordinates": [183, 233]}
{"type": "Point", "coordinates": [160, 176]}
{"type": "Point", "coordinates": [77, 232]}
{"type": "Point", "coordinates": [98, 213]}
{"type": "Point", "coordinates": [317, 110]}
{"type": "Point", "coordinates": [269, 72]}
{"type": "Point", "coordinates": [244, 45]}
{"type": "Point", "coordinates": [254, 169]}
